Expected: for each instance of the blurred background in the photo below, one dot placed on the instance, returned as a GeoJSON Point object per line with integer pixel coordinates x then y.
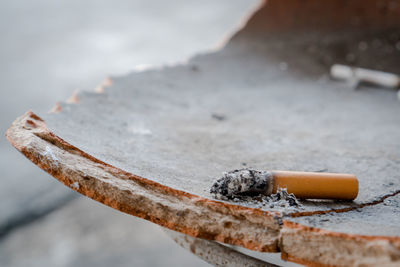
{"type": "Point", "coordinates": [49, 49]}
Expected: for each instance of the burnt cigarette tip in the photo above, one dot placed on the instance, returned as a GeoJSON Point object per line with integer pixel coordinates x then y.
{"type": "Point", "coordinates": [242, 182]}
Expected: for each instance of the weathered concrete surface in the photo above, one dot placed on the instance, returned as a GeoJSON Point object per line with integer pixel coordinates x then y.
{"type": "Point", "coordinates": [280, 113]}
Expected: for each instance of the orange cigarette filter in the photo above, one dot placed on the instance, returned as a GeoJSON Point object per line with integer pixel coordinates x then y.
{"type": "Point", "coordinates": [312, 185]}
{"type": "Point", "coordinates": [316, 185]}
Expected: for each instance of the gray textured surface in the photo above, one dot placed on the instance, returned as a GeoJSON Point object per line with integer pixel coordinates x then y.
{"type": "Point", "coordinates": [159, 124]}
{"type": "Point", "coordinates": [50, 49]}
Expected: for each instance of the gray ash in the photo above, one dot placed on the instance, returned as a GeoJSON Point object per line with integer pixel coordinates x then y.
{"type": "Point", "coordinates": [252, 188]}
{"type": "Point", "coordinates": [242, 182]}
{"type": "Point", "coordinates": [281, 200]}
{"type": "Point", "coordinates": [283, 195]}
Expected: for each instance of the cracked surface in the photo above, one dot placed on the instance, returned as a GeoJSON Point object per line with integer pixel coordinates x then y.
{"type": "Point", "coordinates": [151, 145]}
{"type": "Point", "coordinates": [378, 220]}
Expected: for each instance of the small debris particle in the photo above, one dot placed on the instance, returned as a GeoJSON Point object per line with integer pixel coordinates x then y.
{"type": "Point", "coordinates": [139, 130]}
{"type": "Point", "coordinates": [218, 117]}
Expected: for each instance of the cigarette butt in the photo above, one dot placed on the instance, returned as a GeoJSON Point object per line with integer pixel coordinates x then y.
{"type": "Point", "coordinates": [316, 185]}
{"type": "Point", "coordinates": [309, 185]}
{"type": "Point", "coordinates": [355, 74]}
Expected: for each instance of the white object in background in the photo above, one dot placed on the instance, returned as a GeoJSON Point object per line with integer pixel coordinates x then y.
{"type": "Point", "coordinates": [356, 75]}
